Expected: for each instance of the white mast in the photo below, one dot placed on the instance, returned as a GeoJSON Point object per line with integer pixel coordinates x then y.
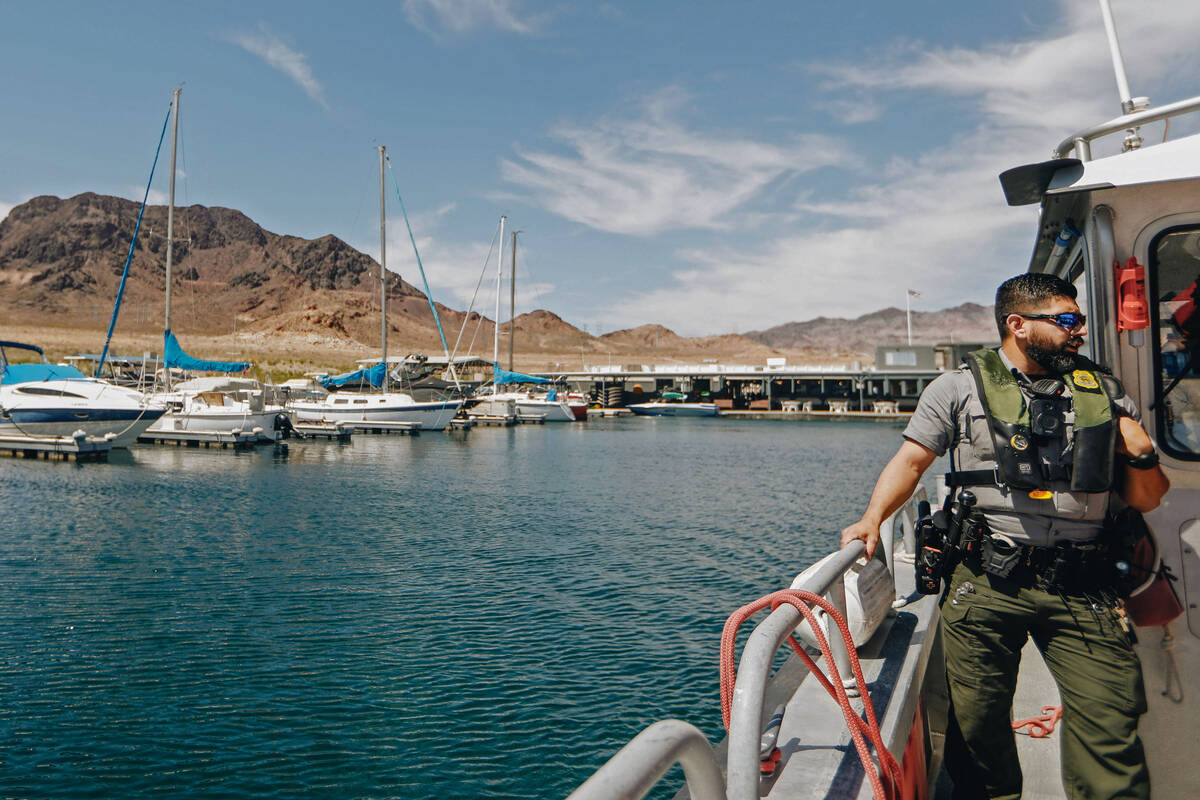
{"type": "Point", "coordinates": [383, 264]}
{"type": "Point", "coordinates": [496, 329]}
{"type": "Point", "coordinates": [171, 218]}
{"type": "Point", "coordinates": [512, 302]}
{"type": "Point", "coordinates": [171, 204]}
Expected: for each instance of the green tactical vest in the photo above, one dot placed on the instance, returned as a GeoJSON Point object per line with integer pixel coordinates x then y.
{"type": "Point", "coordinates": [1018, 452]}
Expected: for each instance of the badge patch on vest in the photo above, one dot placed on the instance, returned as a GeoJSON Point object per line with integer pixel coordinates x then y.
{"type": "Point", "coordinates": [1084, 379]}
{"type": "Point", "coordinates": [1019, 442]}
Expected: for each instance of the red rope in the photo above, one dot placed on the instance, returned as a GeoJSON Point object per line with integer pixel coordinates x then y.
{"type": "Point", "coordinates": [1042, 726]}
{"type": "Point", "coordinates": [860, 730]}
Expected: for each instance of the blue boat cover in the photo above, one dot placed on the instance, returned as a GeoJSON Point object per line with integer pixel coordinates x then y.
{"type": "Point", "coordinates": [27, 373]}
{"type": "Point", "coordinates": [373, 375]}
{"type": "Point", "coordinates": [173, 356]}
{"type": "Point", "coordinates": [504, 376]}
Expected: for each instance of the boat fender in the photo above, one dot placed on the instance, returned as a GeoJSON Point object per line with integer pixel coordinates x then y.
{"type": "Point", "coordinates": [870, 590]}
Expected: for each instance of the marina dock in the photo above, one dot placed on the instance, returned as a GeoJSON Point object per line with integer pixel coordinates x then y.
{"type": "Point", "coordinates": [77, 447]}
{"type": "Point", "coordinates": [234, 439]}
{"type": "Point", "coordinates": [377, 426]}
{"type": "Point", "coordinates": [337, 431]}
{"type": "Point", "coordinates": [835, 416]}
{"type": "Point", "coordinates": [888, 388]}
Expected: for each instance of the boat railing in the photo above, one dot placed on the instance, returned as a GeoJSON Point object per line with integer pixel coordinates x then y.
{"type": "Point", "coordinates": [640, 765]}
{"type": "Point", "coordinates": [1081, 143]}
{"type": "Point", "coordinates": [635, 769]}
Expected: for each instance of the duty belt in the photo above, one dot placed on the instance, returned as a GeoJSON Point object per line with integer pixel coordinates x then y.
{"type": "Point", "coordinates": [1073, 568]}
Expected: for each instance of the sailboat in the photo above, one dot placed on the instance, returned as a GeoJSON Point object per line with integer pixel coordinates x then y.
{"type": "Point", "coordinates": [205, 404]}
{"type": "Point", "coordinates": [322, 405]}
{"type": "Point", "coordinates": [548, 405]}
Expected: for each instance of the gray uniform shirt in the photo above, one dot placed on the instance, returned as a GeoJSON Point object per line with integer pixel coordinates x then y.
{"type": "Point", "coordinates": [950, 414]}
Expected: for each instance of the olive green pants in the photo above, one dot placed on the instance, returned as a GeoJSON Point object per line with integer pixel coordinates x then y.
{"type": "Point", "coordinates": [985, 623]}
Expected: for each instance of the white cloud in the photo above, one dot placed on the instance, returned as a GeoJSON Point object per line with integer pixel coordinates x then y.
{"type": "Point", "coordinates": [935, 221]}
{"type": "Point", "coordinates": [651, 174]}
{"type": "Point", "coordinates": [280, 55]}
{"type": "Point", "coordinates": [5, 208]}
{"type": "Point", "coordinates": [155, 197]}
{"type": "Point", "coordinates": [463, 16]}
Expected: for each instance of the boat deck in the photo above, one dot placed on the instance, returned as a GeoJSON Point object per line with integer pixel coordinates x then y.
{"type": "Point", "coordinates": [819, 759]}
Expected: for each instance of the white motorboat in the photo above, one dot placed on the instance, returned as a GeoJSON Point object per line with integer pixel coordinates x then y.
{"type": "Point", "coordinates": [219, 405]}
{"type": "Point", "coordinates": [1125, 231]}
{"type": "Point", "coordinates": [548, 406]}
{"type": "Point", "coordinates": [659, 408]}
{"type": "Point", "coordinates": [43, 399]}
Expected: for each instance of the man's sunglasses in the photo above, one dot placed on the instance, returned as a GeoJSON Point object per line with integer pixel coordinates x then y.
{"type": "Point", "coordinates": [1069, 320]}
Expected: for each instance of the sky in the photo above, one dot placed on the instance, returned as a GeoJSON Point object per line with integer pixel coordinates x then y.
{"type": "Point", "coordinates": [716, 167]}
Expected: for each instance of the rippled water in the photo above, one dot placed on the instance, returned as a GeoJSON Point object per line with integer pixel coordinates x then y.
{"type": "Point", "coordinates": [489, 615]}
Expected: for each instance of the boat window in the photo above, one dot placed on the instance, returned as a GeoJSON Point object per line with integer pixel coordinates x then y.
{"type": "Point", "coordinates": [49, 392]}
{"type": "Point", "coordinates": [360, 402]}
{"type": "Point", "coordinates": [1173, 288]}
{"type": "Point", "coordinates": [340, 401]}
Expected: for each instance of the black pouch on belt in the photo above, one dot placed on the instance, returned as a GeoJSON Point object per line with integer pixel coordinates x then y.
{"type": "Point", "coordinates": [999, 555]}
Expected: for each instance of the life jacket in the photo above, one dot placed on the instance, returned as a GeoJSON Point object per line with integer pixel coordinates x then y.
{"type": "Point", "coordinates": [1020, 457]}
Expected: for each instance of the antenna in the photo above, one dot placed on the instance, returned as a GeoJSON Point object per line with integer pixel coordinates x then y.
{"type": "Point", "coordinates": [1129, 104]}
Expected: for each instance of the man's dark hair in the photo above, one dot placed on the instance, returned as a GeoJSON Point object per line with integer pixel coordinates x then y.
{"type": "Point", "coordinates": [1026, 293]}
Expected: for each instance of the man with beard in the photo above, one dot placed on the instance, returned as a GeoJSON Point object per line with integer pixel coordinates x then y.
{"type": "Point", "coordinates": [1043, 438]}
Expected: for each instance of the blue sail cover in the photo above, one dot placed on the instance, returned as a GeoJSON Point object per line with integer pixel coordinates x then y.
{"type": "Point", "coordinates": [28, 373]}
{"type": "Point", "coordinates": [504, 376]}
{"type": "Point", "coordinates": [372, 375]}
{"type": "Point", "coordinates": [173, 356]}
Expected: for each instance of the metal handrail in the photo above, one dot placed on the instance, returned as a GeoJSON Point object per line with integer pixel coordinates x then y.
{"type": "Point", "coordinates": [639, 765]}
{"type": "Point", "coordinates": [1081, 142]}
{"type": "Point", "coordinates": [754, 670]}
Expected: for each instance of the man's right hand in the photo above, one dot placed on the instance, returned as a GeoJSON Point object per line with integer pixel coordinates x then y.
{"type": "Point", "coordinates": [865, 530]}
{"type": "Point", "coordinates": [896, 484]}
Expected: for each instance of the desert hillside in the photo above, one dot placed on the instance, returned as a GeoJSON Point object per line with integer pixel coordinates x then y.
{"type": "Point", "coordinates": [290, 304]}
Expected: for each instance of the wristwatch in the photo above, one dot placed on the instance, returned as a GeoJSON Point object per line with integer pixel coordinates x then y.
{"type": "Point", "coordinates": [1145, 461]}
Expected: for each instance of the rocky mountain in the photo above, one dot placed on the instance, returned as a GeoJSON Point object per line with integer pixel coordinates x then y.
{"type": "Point", "coordinates": [969, 322]}
{"type": "Point", "coordinates": [61, 262]}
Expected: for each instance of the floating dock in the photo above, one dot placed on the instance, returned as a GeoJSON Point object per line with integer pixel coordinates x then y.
{"type": "Point", "coordinates": [337, 431]}
{"type": "Point", "coordinates": [460, 424]}
{"type": "Point", "coordinates": [494, 420]}
{"type": "Point", "coordinates": [235, 439]}
{"type": "Point", "coordinates": [378, 426]}
{"type": "Point", "coordinates": [609, 412]}
{"type": "Point", "coordinates": [77, 447]}
{"type": "Point", "coordinates": [836, 416]}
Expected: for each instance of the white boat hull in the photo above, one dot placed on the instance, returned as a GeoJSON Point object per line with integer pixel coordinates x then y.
{"type": "Point", "coordinates": [674, 409]}
{"type": "Point", "coordinates": [431, 416]}
{"type": "Point", "coordinates": [539, 406]}
{"type": "Point", "coordinates": [95, 407]}
{"type": "Point", "coordinates": [220, 422]}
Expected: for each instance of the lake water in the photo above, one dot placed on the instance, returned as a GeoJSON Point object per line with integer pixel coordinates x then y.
{"type": "Point", "coordinates": [453, 616]}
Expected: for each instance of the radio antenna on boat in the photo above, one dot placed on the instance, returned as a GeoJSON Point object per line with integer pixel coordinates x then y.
{"type": "Point", "coordinates": [1129, 104]}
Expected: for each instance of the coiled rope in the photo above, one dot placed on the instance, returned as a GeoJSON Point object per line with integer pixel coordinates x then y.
{"type": "Point", "coordinates": [886, 780]}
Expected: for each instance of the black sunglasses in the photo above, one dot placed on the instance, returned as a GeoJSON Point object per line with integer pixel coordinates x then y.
{"type": "Point", "coordinates": [1069, 320]}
